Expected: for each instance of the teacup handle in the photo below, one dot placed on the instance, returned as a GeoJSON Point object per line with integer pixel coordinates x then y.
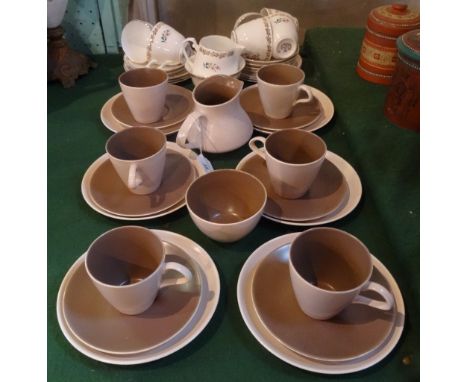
{"type": "Point", "coordinates": [310, 95]}
{"type": "Point", "coordinates": [157, 65]}
{"type": "Point", "coordinates": [134, 178]}
{"type": "Point", "coordinates": [182, 269]}
{"type": "Point", "coordinates": [184, 50]}
{"type": "Point", "coordinates": [191, 121]}
{"type": "Point", "coordinates": [382, 305]}
{"type": "Point", "coordinates": [244, 16]}
{"type": "Point", "coordinates": [258, 150]}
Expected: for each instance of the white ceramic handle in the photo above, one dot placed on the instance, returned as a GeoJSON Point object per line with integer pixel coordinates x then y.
{"type": "Point", "coordinates": [244, 16]}
{"type": "Point", "coordinates": [182, 269]}
{"type": "Point", "coordinates": [156, 65]}
{"type": "Point", "coordinates": [258, 150]}
{"type": "Point", "coordinates": [382, 305]}
{"type": "Point", "coordinates": [184, 130]}
{"type": "Point", "coordinates": [184, 51]}
{"type": "Point", "coordinates": [310, 95]}
{"type": "Point", "coordinates": [134, 178]}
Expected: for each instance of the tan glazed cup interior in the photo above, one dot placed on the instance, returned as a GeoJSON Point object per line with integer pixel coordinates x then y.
{"type": "Point", "coordinates": [226, 204]}
{"type": "Point", "coordinates": [293, 158]}
{"type": "Point", "coordinates": [135, 143]}
{"type": "Point", "coordinates": [295, 147]}
{"type": "Point", "coordinates": [124, 256]}
{"type": "Point", "coordinates": [281, 74]}
{"type": "Point", "coordinates": [138, 155]}
{"type": "Point", "coordinates": [127, 264]}
{"type": "Point", "coordinates": [145, 93]}
{"type": "Point", "coordinates": [279, 88]}
{"type": "Point", "coordinates": [329, 268]}
{"type": "Point", "coordinates": [142, 78]}
{"type": "Point", "coordinates": [331, 259]}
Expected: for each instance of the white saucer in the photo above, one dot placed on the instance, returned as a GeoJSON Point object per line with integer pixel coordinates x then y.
{"type": "Point", "coordinates": [200, 170]}
{"type": "Point", "coordinates": [328, 110]}
{"type": "Point", "coordinates": [176, 73]}
{"type": "Point", "coordinates": [254, 62]}
{"type": "Point", "coordinates": [273, 345]}
{"type": "Point", "coordinates": [111, 123]}
{"type": "Point", "coordinates": [349, 204]}
{"type": "Point", "coordinates": [172, 80]}
{"type": "Point", "coordinates": [210, 289]}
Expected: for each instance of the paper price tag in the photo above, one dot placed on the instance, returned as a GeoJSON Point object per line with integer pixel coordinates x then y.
{"type": "Point", "coordinates": [205, 163]}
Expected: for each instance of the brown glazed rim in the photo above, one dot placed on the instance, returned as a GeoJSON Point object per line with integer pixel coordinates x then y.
{"type": "Point", "coordinates": [122, 79]}
{"type": "Point", "coordinates": [282, 65]}
{"type": "Point", "coordinates": [133, 129]}
{"type": "Point", "coordinates": [297, 131]}
{"type": "Point", "coordinates": [341, 232]}
{"type": "Point", "coordinates": [146, 230]}
{"type": "Point", "coordinates": [265, 197]}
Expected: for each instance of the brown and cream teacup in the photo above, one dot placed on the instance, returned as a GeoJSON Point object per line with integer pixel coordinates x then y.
{"type": "Point", "coordinates": [126, 265]}
{"type": "Point", "coordinates": [138, 155]}
{"type": "Point", "coordinates": [145, 92]}
{"type": "Point", "coordinates": [293, 158]}
{"type": "Point", "coordinates": [226, 204]}
{"type": "Point", "coordinates": [329, 268]}
{"type": "Point", "coordinates": [279, 86]}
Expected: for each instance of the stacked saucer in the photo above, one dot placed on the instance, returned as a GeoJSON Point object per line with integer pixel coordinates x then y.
{"type": "Point", "coordinates": [356, 339]}
{"type": "Point", "coordinates": [176, 73]}
{"type": "Point", "coordinates": [308, 116]}
{"type": "Point", "coordinates": [116, 115]}
{"type": "Point", "coordinates": [249, 73]}
{"type": "Point", "coordinates": [177, 316]}
{"type": "Point", "coordinates": [105, 192]}
{"type": "Point", "coordinates": [334, 193]}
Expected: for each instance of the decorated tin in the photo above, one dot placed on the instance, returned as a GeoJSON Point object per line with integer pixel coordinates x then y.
{"type": "Point", "coordinates": [378, 51]}
{"type": "Point", "coordinates": [402, 102]}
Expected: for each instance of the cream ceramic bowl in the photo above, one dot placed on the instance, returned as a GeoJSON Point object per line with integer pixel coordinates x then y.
{"type": "Point", "coordinates": [226, 205]}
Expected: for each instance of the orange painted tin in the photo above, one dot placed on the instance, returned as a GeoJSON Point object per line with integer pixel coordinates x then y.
{"type": "Point", "coordinates": [378, 51]}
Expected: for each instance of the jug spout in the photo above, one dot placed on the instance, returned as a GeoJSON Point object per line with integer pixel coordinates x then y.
{"type": "Point", "coordinates": [234, 83]}
{"type": "Point", "coordinates": [217, 89]}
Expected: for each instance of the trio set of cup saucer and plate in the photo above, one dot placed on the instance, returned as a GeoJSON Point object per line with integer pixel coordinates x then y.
{"type": "Point", "coordinates": [344, 344]}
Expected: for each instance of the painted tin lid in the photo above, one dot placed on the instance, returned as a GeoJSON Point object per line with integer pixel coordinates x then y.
{"type": "Point", "coordinates": [393, 20]}
{"type": "Point", "coordinates": [408, 45]}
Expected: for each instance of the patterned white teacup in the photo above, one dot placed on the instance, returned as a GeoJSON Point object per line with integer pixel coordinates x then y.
{"type": "Point", "coordinates": [134, 39]}
{"type": "Point", "coordinates": [255, 35]}
{"type": "Point", "coordinates": [213, 55]}
{"type": "Point", "coordinates": [166, 45]}
{"type": "Point", "coordinates": [273, 12]}
{"type": "Point", "coordinates": [270, 35]}
{"type": "Point", "coordinates": [156, 46]}
{"type": "Point", "coordinates": [285, 36]}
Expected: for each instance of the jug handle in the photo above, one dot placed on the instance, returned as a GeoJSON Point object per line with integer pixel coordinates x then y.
{"type": "Point", "coordinates": [184, 50]}
{"type": "Point", "coordinates": [184, 131]}
{"type": "Point", "coordinates": [244, 16]}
